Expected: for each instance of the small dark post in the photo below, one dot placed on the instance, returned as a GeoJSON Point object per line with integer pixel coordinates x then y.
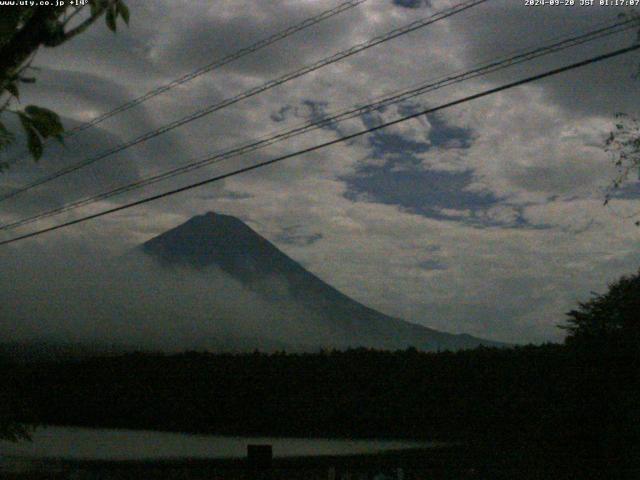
{"type": "Point", "coordinates": [259, 462]}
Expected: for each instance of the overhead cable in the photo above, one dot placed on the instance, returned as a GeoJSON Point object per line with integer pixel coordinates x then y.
{"type": "Point", "coordinates": [484, 69]}
{"type": "Point", "coordinates": [272, 161]}
{"type": "Point", "coordinates": [249, 93]}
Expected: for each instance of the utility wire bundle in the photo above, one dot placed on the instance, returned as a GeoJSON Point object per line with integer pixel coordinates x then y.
{"type": "Point", "coordinates": [411, 27]}
{"type": "Point", "coordinates": [604, 30]}
{"type": "Point", "coordinates": [354, 112]}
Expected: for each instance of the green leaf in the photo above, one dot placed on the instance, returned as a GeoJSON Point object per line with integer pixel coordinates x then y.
{"type": "Point", "coordinates": [46, 122]}
{"type": "Point", "coordinates": [43, 113]}
{"type": "Point", "coordinates": [12, 88]}
{"type": "Point", "coordinates": [10, 20]}
{"type": "Point", "coordinates": [33, 139]}
{"type": "Point", "coordinates": [34, 143]}
{"type": "Point", "coordinates": [123, 10]}
{"type": "Point", "coordinates": [111, 18]}
{"type": "Point", "coordinates": [96, 6]}
{"type": "Point", "coordinates": [6, 137]}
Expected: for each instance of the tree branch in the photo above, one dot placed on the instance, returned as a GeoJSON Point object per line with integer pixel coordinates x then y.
{"type": "Point", "coordinates": [26, 41]}
{"type": "Point", "coordinates": [84, 25]}
{"type": "Point", "coordinates": [75, 12]}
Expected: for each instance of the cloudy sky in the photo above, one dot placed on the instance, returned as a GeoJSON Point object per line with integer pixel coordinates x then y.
{"type": "Point", "coordinates": [486, 218]}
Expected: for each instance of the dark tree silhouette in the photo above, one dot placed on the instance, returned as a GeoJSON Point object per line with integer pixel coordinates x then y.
{"type": "Point", "coordinates": [604, 335]}
{"type": "Point", "coordinates": [23, 30]}
{"type": "Point", "coordinates": [611, 319]}
{"type": "Point", "coordinates": [623, 144]}
{"type": "Point", "coordinates": [12, 404]}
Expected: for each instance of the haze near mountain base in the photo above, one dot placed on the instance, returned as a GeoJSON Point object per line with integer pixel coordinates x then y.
{"type": "Point", "coordinates": [211, 283]}
{"type": "Point", "coordinates": [327, 317]}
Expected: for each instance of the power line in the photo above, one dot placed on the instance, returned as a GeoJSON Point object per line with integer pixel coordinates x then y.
{"type": "Point", "coordinates": [488, 67]}
{"type": "Point", "coordinates": [218, 63]}
{"type": "Point", "coordinates": [216, 178]}
{"type": "Point", "coordinates": [252, 92]}
{"type": "Point", "coordinates": [225, 60]}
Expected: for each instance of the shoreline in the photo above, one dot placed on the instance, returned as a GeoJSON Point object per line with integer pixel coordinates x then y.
{"type": "Point", "coordinates": [432, 460]}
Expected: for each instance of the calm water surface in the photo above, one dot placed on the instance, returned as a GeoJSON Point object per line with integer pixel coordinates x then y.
{"type": "Point", "coordinates": [97, 444]}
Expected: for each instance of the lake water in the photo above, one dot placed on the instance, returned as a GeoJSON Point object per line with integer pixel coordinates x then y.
{"type": "Point", "coordinates": [71, 443]}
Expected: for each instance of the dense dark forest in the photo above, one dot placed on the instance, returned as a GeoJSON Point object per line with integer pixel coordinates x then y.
{"type": "Point", "coordinates": [557, 400]}
{"type": "Point", "coordinates": [575, 405]}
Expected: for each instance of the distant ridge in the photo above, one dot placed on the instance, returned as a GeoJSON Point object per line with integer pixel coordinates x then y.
{"type": "Point", "coordinates": [227, 243]}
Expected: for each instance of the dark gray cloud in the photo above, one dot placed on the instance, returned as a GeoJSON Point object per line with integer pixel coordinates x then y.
{"type": "Point", "coordinates": [444, 135]}
{"type": "Point", "coordinates": [431, 265]}
{"type": "Point", "coordinates": [411, 3]}
{"type": "Point", "coordinates": [295, 235]}
{"type": "Point", "coordinates": [210, 32]}
{"type": "Point", "coordinates": [601, 89]}
{"type": "Point", "coordinates": [418, 190]}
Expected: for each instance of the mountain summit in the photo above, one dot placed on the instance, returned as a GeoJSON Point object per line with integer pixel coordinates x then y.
{"type": "Point", "coordinates": [214, 241]}
{"type": "Point", "coordinates": [225, 242]}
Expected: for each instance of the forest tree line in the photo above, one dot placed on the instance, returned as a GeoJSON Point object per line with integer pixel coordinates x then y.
{"type": "Point", "coordinates": [579, 399]}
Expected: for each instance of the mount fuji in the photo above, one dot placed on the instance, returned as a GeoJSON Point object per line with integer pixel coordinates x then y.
{"type": "Point", "coordinates": [221, 242]}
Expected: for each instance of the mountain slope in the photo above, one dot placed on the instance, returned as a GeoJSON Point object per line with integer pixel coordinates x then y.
{"type": "Point", "coordinates": [225, 242]}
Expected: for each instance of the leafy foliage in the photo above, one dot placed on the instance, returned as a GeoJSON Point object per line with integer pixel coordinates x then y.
{"type": "Point", "coordinates": [23, 30]}
{"type": "Point", "coordinates": [6, 137]}
{"type": "Point", "coordinates": [604, 335]}
{"type": "Point", "coordinates": [611, 319]}
{"type": "Point", "coordinates": [40, 123]}
{"type": "Point", "coordinates": [12, 407]}
{"type": "Point", "coordinates": [12, 430]}
{"type": "Point", "coordinates": [623, 143]}
{"type": "Point", "coordinates": [624, 146]}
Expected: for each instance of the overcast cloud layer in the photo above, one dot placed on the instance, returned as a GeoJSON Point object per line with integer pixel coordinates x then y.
{"type": "Point", "coordinates": [486, 218]}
